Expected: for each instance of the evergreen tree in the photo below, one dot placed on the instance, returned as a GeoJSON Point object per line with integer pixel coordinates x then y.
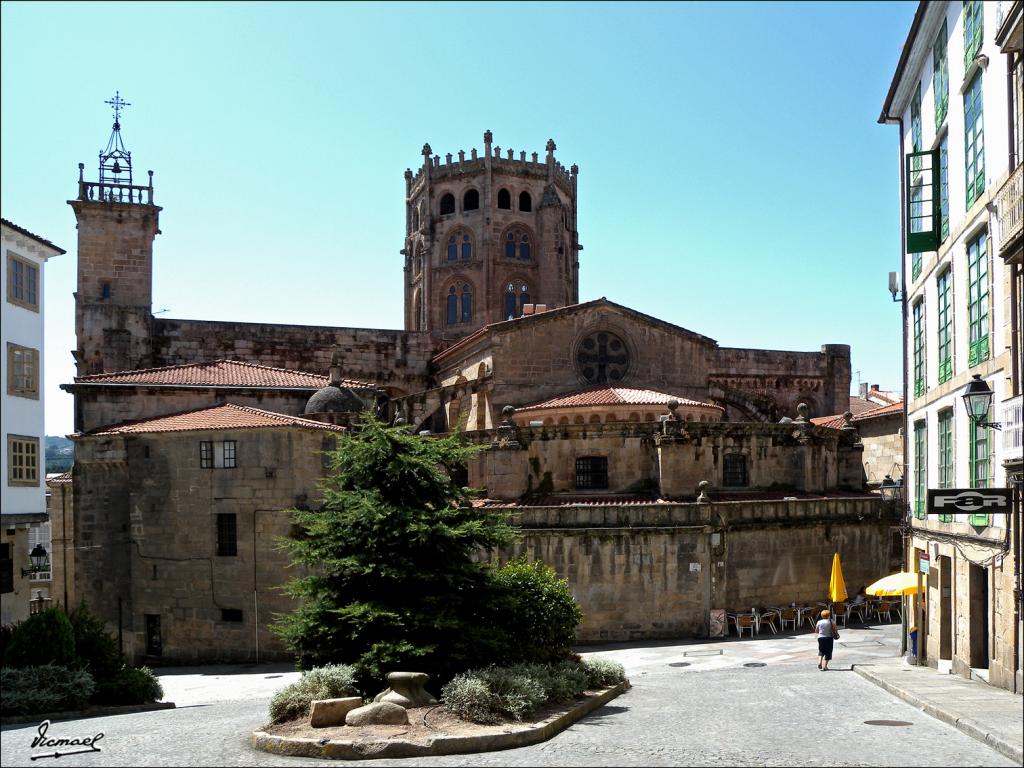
{"type": "Point", "coordinates": [391, 581]}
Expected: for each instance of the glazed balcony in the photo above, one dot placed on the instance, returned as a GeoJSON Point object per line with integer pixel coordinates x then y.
{"type": "Point", "coordinates": [1010, 212]}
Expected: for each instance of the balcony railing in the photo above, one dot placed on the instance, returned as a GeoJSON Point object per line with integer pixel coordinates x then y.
{"type": "Point", "coordinates": [115, 193]}
{"type": "Point", "coordinates": [1010, 210]}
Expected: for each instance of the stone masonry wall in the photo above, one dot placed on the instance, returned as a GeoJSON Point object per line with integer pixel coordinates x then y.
{"type": "Point", "coordinates": [883, 446]}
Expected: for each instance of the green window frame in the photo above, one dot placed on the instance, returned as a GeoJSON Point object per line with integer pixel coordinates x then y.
{"type": "Point", "coordinates": [940, 78]}
{"type": "Point", "coordinates": [973, 30]}
{"type": "Point", "coordinates": [974, 141]}
{"type": "Point", "coordinates": [944, 188]}
{"type": "Point", "coordinates": [915, 125]}
{"type": "Point", "coordinates": [977, 300]}
{"type": "Point", "coordinates": [945, 446]}
{"type": "Point", "coordinates": [920, 372]}
{"type": "Point", "coordinates": [945, 323]}
{"type": "Point", "coordinates": [922, 200]}
{"type": "Point", "coordinates": [920, 469]}
{"type": "Point", "coordinates": [980, 457]}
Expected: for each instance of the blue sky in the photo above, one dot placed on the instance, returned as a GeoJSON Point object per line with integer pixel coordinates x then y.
{"type": "Point", "coordinates": [733, 178]}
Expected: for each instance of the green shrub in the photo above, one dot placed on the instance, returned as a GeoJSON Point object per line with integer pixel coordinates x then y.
{"type": "Point", "coordinates": [470, 698]}
{"type": "Point", "coordinates": [95, 648]}
{"type": "Point", "coordinates": [331, 681]}
{"type": "Point", "coordinates": [535, 611]}
{"type": "Point", "coordinates": [6, 633]}
{"type": "Point", "coordinates": [45, 688]}
{"type": "Point", "coordinates": [129, 686]}
{"type": "Point", "coordinates": [43, 638]}
{"type": "Point", "coordinates": [510, 692]}
{"type": "Point", "coordinates": [601, 672]}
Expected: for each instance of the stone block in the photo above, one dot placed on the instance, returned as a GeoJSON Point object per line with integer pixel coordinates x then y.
{"type": "Point", "coordinates": [378, 713]}
{"type": "Point", "coordinates": [327, 712]}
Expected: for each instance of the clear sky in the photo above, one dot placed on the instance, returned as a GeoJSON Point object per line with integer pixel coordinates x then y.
{"type": "Point", "coordinates": [733, 178]}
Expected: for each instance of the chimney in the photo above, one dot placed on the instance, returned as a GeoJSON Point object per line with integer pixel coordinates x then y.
{"type": "Point", "coordinates": [528, 309]}
{"type": "Point", "coordinates": [863, 391]}
{"type": "Point", "coordinates": [541, 308]}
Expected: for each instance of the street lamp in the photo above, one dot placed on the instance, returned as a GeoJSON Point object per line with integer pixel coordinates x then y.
{"type": "Point", "coordinates": [891, 490]}
{"type": "Point", "coordinates": [978, 400]}
{"type": "Point", "coordinates": [38, 558]}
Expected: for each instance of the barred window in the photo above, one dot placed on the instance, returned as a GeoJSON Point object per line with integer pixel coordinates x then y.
{"type": "Point", "coordinates": [227, 535]}
{"type": "Point", "coordinates": [591, 473]}
{"type": "Point", "coordinates": [735, 470]}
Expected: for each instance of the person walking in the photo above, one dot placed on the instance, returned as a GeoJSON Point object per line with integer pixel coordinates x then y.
{"type": "Point", "coordinates": [827, 634]}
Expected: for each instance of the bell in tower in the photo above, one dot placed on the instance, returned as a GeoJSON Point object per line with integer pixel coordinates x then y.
{"type": "Point", "coordinates": [115, 160]}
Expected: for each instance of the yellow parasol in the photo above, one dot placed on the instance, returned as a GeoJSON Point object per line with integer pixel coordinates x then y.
{"type": "Point", "coordinates": [836, 585]}
{"type": "Point", "coordinates": [894, 585]}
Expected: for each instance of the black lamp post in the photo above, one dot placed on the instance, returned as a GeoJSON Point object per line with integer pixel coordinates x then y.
{"type": "Point", "coordinates": [891, 490]}
{"type": "Point", "coordinates": [38, 558]}
{"type": "Point", "coordinates": [978, 400]}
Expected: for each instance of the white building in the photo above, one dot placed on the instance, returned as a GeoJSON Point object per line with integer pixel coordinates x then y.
{"type": "Point", "coordinates": [956, 97]}
{"type": "Point", "coordinates": [23, 495]}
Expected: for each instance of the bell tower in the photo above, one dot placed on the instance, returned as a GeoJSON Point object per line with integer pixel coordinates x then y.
{"type": "Point", "coordinates": [117, 223]}
{"type": "Point", "coordinates": [489, 237]}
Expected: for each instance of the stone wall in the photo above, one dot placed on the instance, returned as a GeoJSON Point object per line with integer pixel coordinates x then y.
{"type": "Point", "coordinates": [648, 572]}
{"type": "Point", "coordinates": [60, 507]}
{"type": "Point", "coordinates": [397, 360]}
{"type": "Point", "coordinates": [883, 447]}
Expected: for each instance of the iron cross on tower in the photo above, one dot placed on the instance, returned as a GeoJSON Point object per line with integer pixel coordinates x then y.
{"type": "Point", "coordinates": [118, 104]}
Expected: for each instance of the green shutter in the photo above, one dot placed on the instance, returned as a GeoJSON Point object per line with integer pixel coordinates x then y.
{"type": "Point", "coordinates": [922, 196]}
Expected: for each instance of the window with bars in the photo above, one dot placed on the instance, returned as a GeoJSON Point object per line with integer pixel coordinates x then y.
{"type": "Point", "coordinates": [979, 458]}
{"type": "Point", "coordinates": [974, 141]}
{"type": "Point", "coordinates": [22, 460]}
{"type": "Point", "coordinates": [945, 445]}
{"type": "Point", "coordinates": [944, 189]}
{"type": "Point", "coordinates": [22, 282]}
{"type": "Point", "coordinates": [973, 30]}
{"type": "Point", "coordinates": [945, 322]}
{"type": "Point", "coordinates": [919, 362]}
{"type": "Point", "coordinates": [22, 371]}
{"type": "Point", "coordinates": [591, 473]}
{"type": "Point", "coordinates": [940, 77]}
{"type": "Point", "coordinates": [977, 300]}
{"type": "Point", "coordinates": [735, 470]}
{"type": "Point", "coordinates": [920, 469]}
{"type": "Point", "coordinates": [227, 535]}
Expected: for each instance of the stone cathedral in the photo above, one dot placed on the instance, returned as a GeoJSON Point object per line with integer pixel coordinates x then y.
{"type": "Point", "coordinates": [193, 437]}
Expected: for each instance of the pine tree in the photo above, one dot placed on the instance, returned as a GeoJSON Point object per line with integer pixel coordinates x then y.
{"type": "Point", "coordinates": [391, 576]}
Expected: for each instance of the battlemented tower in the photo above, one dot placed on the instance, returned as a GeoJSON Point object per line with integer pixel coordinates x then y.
{"type": "Point", "coordinates": [487, 238]}
{"type": "Point", "coordinates": [117, 223]}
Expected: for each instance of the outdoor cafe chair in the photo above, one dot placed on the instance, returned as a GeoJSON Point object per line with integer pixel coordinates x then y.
{"type": "Point", "coordinates": [789, 615]}
{"type": "Point", "coordinates": [768, 618]}
{"type": "Point", "coordinates": [811, 614]}
{"type": "Point", "coordinates": [839, 611]}
{"type": "Point", "coordinates": [745, 621]}
{"type": "Point", "coordinates": [884, 608]}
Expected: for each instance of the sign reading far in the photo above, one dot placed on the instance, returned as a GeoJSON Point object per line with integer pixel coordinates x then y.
{"type": "Point", "coordinates": [950, 500]}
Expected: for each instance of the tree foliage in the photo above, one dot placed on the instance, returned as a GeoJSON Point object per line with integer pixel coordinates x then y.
{"type": "Point", "coordinates": [390, 577]}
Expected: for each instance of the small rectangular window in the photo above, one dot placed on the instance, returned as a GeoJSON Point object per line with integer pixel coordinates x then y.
{"type": "Point", "coordinates": [206, 455]}
{"type": "Point", "coordinates": [231, 614]}
{"type": "Point", "coordinates": [154, 642]}
{"type": "Point", "coordinates": [591, 473]}
{"type": "Point", "coordinates": [22, 460]}
{"type": "Point", "coordinates": [735, 470]}
{"type": "Point", "coordinates": [22, 371]}
{"type": "Point", "coordinates": [227, 535]}
{"type": "Point", "coordinates": [22, 282]}
{"type": "Point", "coordinates": [229, 454]}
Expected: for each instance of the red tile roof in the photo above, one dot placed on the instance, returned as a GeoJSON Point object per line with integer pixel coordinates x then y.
{"type": "Point", "coordinates": [832, 422]}
{"type": "Point", "coordinates": [227, 416]}
{"type": "Point", "coordinates": [37, 238]}
{"type": "Point", "coordinates": [885, 410]}
{"type": "Point", "coordinates": [859, 405]}
{"type": "Point", "coordinates": [61, 478]}
{"type": "Point", "coordinates": [615, 396]}
{"type": "Point", "coordinates": [219, 373]}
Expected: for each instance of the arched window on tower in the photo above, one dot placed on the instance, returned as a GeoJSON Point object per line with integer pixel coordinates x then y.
{"type": "Point", "coordinates": [467, 248]}
{"type": "Point", "coordinates": [470, 200]}
{"type": "Point", "coordinates": [524, 296]}
{"type": "Point", "coordinates": [453, 306]}
{"type": "Point", "coordinates": [453, 249]}
{"type": "Point", "coordinates": [517, 245]}
{"type": "Point", "coordinates": [510, 246]}
{"type": "Point", "coordinates": [504, 200]}
{"type": "Point", "coordinates": [447, 203]}
{"type": "Point", "coordinates": [467, 304]}
{"type": "Point", "coordinates": [517, 295]}
{"type": "Point", "coordinates": [525, 202]}
{"type": "Point", "coordinates": [524, 247]}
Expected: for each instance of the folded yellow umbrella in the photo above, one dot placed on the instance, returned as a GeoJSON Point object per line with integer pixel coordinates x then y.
{"type": "Point", "coordinates": [895, 584]}
{"type": "Point", "coordinates": [836, 585]}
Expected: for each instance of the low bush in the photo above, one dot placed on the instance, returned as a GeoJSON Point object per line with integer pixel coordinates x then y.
{"type": "Point", "coordinates": [42, 639]}
{"type": "Point", "coordinates": [95, 648]}
{"type": "Point", "coordinates": [46, 688]}
{"type": "Point", "coordinates": [129, 686]}
{"type": "Point", "coordinates": [330, 681]}
{"type": "Point", "coordinates": [602, 672]}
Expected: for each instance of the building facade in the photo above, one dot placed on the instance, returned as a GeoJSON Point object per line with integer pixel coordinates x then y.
{"type": "Point", "coordinates": [23, 495]}
{"type": "Point", "coordinates": [956, 99]}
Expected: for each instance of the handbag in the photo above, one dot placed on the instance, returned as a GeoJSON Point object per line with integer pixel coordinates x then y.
{"type": "Point", "coordinates": [835, 631]}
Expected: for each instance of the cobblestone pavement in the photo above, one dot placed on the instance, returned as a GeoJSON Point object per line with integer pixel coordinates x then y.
{"type": "Point", "coordinates": [715, 711]}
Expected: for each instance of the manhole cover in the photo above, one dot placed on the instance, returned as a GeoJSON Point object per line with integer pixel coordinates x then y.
{"type": "Point", "coordinates": [886, 722]}
{"type": "Point", "coordinates": [271, 677]}
{"type": "Point", "coordinates": [703, 653]}
{"type": "Point", "coordinates": [755, 664]}
{"type": "Point", "coordinates": [862, 644]}
{"type": "Point", "coordinates": [679, 664]}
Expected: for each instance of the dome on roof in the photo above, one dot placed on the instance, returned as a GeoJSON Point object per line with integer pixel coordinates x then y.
{"type": "Point", "coordinates": [334, 399]}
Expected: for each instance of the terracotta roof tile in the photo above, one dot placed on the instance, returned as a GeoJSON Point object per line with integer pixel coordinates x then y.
{"type": "Point", "coordinates": [831, 422]}
{"type": "Point", "coordinates": [219, 373]}
{"type": "Point", "coordinates": [614, 396]}
{"type": "Point", "coordinates": [227, 416]}
{"type": "Point", "coordinates": [885, 410]}
{"type": "Point", "coordinates": [859, 405]}
{"type": "Point", "coordinates": [60, 478]}
{"type": "Point", "coordinates": [838, 422]}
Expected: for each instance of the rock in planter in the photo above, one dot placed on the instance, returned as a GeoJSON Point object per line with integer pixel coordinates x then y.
{"type": "Point", "coordinates": [327, 712]}
{"type": "Point", "coordinates": [406, 690]}
{"type": "Point", "coordinates": [378, 713]}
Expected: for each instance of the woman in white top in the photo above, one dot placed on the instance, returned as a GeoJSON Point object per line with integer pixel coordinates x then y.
{"type": "Point", "coordinates": [826, 631]}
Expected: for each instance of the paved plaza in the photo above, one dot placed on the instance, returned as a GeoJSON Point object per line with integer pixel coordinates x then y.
{"type": "Point", "coordinates": [691, 704]}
